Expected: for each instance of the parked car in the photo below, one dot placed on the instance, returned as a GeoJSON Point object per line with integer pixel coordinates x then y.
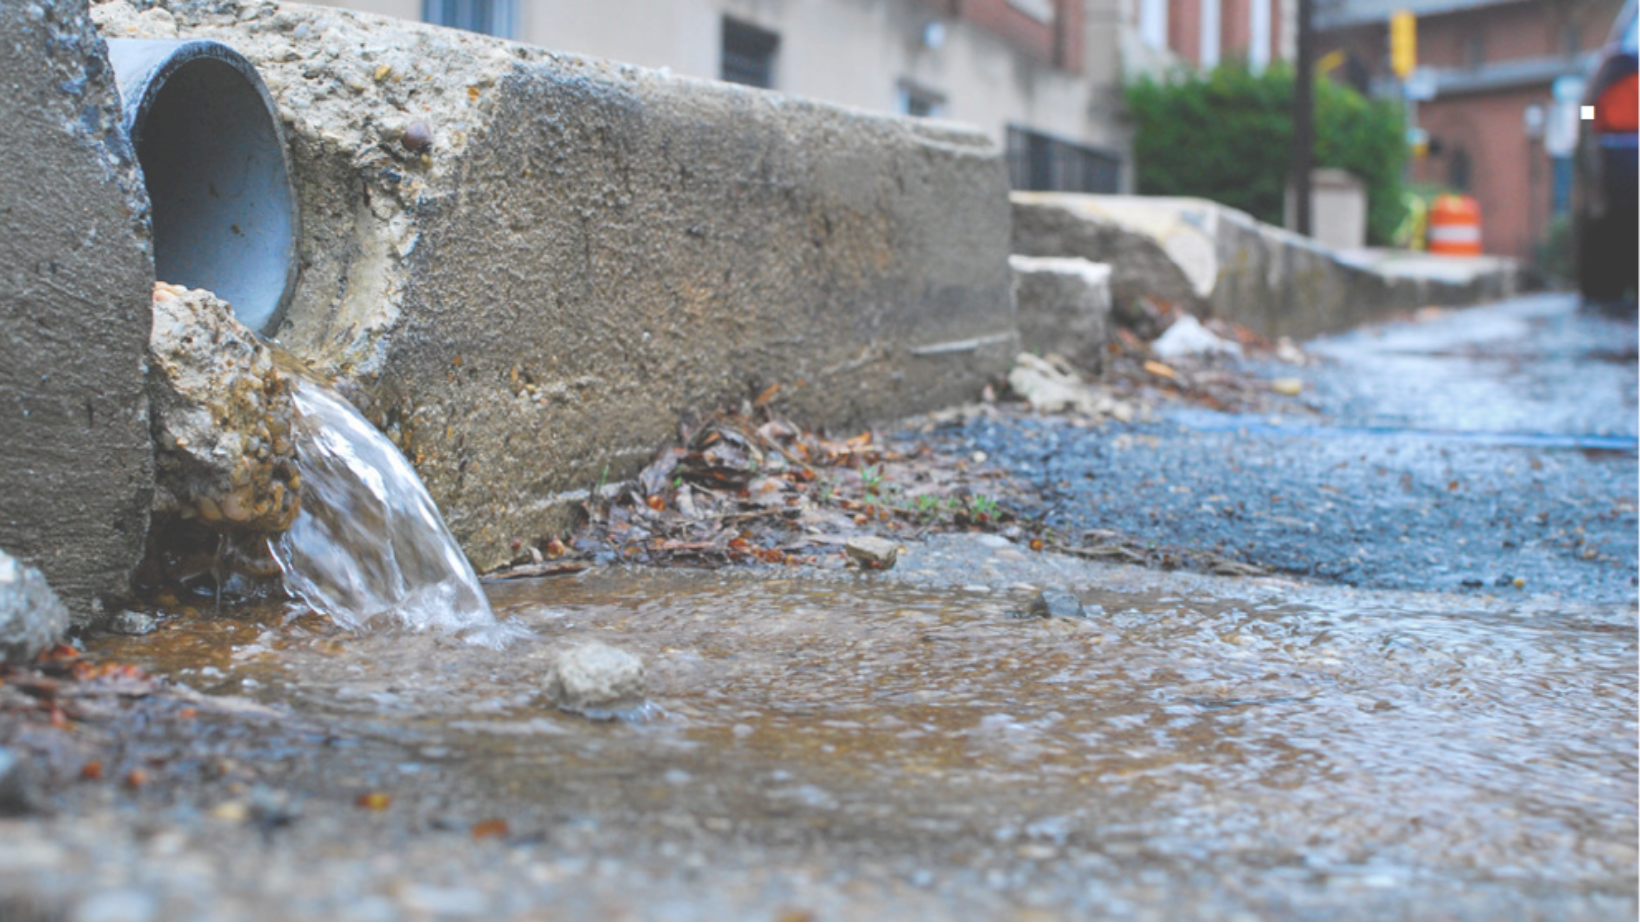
{"type": "Point", "coordinates": [1606, 214]}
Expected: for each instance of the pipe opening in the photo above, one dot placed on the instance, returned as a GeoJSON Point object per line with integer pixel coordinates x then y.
{"type": "Point", "coordinates": [213, 158]}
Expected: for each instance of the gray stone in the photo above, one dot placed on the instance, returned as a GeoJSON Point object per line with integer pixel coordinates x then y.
{"type": "Point", "coordinates": [1058, 603]}
{"type": "Point", "coordinates": [76, 468]}
{"type": "Point", "coordinates": [222, 419]}
{"type": "Point", "coordinates": [596, 680]}
{"type": "Point", "coordinates": [32, 619]}
{"type": "Point", "coordinates": [1064, 307]}
{"type": "Point", "coordinates": [872, 552]}
{"type": "Point", "coordinates": [1216, 261]}
{"type": "Point", "coordinates": [584, 251]}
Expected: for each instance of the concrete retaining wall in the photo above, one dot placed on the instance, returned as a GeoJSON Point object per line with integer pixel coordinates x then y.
{"type": "Point", "coordinates": [76, 464]}
{"type": "Point", "coordinates": [586, 251]}
{"type": "Point", "coordinates": [1217, 261]}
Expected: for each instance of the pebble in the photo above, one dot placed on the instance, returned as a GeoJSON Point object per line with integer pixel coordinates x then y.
{"type": "Point", "coordinates": [1057, 602]}
{"type": "Point", "coordinates": [596, 680]}
{"type": "Point", "coordinates": [872, 552]}
{"type": "Point", "coordinates": [417, 137]}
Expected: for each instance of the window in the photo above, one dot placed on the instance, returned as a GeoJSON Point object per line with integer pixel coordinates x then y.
{"type": "Point", "coordinates": [491, 17]}
{"type": "Point", "coordinates": [1153, 23]}
{"type": "Point", "coordinates": [748, 54]}
{"type": "Point", "coordinates": [918, 101]}
{"type": "Point", "coordinates": [1045, 163]}
{"type": "Point", "coordinates": [1458, 171]}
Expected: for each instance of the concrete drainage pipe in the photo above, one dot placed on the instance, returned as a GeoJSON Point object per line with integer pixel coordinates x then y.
{"type": "Point", "coordinates": [213, 157]}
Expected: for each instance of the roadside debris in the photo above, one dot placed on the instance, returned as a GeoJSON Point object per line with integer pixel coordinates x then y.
{"type": "Point", "coordinates": [1187, 337]}
{"type": "Point", "coordinates": [872, 553]}
{"type": "Point", "coordinates": [596, 680]}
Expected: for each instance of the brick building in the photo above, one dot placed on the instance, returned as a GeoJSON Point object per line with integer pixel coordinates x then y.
{"type": "Point", "coordinates": [1489, 68]}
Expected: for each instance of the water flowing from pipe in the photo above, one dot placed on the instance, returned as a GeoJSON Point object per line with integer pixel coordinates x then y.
{"type": "Point", "coordinates": [368, 546]}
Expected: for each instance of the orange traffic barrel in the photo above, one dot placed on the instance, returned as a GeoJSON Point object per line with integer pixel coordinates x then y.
{"type": "Point", "coordinates": [1455, 226]}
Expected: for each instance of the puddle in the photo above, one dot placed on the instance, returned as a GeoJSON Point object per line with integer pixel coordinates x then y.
{"type": "Point", "coordinates": [1291, 754]}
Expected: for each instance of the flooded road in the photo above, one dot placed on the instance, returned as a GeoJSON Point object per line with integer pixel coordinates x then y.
{"type": "Point", "coordinates": [840, 745]}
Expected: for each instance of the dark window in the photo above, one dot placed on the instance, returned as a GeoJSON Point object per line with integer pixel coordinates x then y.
{"type": "Point", "coordinates": [491, 17]}
{"type": "Point", "coordinates": [1458, 170]}
{"type": "Point", "coordinates": [748, 54]}
{"type": "Point", "coordinates": [1045, 163]}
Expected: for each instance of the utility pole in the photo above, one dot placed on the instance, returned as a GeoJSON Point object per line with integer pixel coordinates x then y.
{"type": "Point", "coordinates": [1303, 116]}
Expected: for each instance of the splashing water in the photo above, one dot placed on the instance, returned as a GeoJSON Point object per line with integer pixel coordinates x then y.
{"type": "Point", "coordinates": [368, 545]}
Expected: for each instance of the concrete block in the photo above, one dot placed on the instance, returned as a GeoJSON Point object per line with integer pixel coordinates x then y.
{"type": "Point", "coordinates": [1217, 261]}
{"type": "Point", "coordinates": [527, 266]}
{"type": "Point", "coordinates": [1064, 307]}
{"type": "Point", "coordinates": [76, 466]}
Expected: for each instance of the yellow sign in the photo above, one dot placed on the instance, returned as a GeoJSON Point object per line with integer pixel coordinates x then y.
{"type": "Point", "coordinates": [1403, 42]}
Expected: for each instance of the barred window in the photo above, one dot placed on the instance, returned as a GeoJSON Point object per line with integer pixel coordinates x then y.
{"type": "Point", "coordinates": [1044, 163]}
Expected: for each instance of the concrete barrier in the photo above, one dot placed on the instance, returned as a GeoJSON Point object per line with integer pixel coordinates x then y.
{"type": "Point", "coordinates": [76, 465]}
{"type": "Point", "coordinates": [1064, 308]}
{"type": "Point", "coordinates": [1217, 261]}
{"type": "Point", "coordinates": [527, 266]}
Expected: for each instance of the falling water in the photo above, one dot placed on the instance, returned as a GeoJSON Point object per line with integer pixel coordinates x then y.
{"type": "Point", "coordinates": [368, 546]}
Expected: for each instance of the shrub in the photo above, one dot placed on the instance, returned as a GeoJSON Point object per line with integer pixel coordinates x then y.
{"type": "Point", "coordinates": [1226, 135]}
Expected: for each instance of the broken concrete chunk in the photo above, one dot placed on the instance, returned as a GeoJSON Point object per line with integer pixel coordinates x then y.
{"type": "Point", "coordinates": [872, 552]}
{"type": "Point", "coordinates": [32, 619]}
{"type": "Point", "coordinates": [222, 418]}
{"type": "Point", "coordinates": [1064, 307]}
{"type": "Point", "coordinates": [1058, 603]}
{"type": "Point", "coordinates": [596, 680]}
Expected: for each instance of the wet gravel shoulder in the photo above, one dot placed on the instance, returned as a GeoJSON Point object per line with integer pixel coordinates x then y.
{"type": "Point", "coordinates": [1482, 451]}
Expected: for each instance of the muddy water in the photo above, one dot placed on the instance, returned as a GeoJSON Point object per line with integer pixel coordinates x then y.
{"type": "Point", "coordinates": [1293, 752]}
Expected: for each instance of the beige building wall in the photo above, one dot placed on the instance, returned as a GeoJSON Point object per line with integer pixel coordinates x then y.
{"type": "Point", "coordinates": [857, 53]}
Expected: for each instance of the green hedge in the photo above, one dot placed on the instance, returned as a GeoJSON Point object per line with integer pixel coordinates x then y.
{"type": "Point", "coordinates": [1226, 135]}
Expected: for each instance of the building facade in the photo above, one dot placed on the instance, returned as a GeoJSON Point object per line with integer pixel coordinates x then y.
{"type": "Point", "coordinates": [1485, 94]}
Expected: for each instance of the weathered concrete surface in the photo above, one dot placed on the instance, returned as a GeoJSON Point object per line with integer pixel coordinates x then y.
{"type": "Point", "coordinates": [1064, 307]}
{"type": "Point", "coordinates": [32, 618]}
{"type": "Point", "coordinates": [223, 416]}
{"type": "Point", "coordinates": [1217, 261]}
{"type": "Point", "coordinates": [76, 468]}
{"type": "Point", "coordinates": [587, 251]}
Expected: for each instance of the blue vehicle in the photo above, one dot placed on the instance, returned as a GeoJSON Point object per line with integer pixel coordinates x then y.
{"type": "Point", "coordinates": [1606, 214]}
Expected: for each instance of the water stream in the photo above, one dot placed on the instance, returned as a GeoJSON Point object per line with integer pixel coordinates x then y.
{"type": "Point", "coordinates": [369, 547]}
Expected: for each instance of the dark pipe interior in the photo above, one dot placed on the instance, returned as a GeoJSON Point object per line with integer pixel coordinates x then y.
{"type": "Point", "coordinates": [208, 140]}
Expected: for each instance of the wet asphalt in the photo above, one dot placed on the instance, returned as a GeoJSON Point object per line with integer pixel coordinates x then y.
{"type": "Point", "coordinates": [1489, 450]}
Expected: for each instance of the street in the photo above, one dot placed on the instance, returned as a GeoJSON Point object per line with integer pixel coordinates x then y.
{"type": "Point", "coordinates": [1489, 450]}
{"type": "Point", "coordinates": [1454, 737]}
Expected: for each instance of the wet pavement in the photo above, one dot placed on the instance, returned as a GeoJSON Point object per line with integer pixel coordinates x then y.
{"type": "Point", "coordinates": [891, 745]}
{"type": "Point", "coordinates": [1488, 450]}
{"type": "Point", "coordinates": [912, 743]}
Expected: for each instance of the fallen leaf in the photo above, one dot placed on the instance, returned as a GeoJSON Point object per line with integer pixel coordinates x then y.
{"type": "Point", "coordinates": [1160, 369]}
{"type": "Point", "coordinates": [490, 827]}
{"type": "Point", "coordinates": [92, 771]}
{"type": "Point", "coordinates": [374, 801]}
